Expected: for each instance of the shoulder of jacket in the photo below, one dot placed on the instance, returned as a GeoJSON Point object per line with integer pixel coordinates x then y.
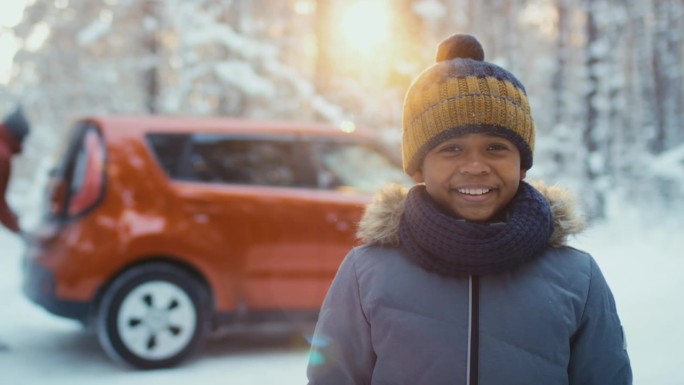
{"type": "Point", "coordinates": [371, 250]}
{"type": "Point", "coordinates": [576, 267]}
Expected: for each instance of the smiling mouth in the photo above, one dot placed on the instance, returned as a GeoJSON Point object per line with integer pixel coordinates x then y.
{"type": "Point", "coordinates": [474, 191]}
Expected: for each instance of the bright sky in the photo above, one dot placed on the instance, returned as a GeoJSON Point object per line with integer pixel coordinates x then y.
{"type": "Point", "coordinates": [10, 15]}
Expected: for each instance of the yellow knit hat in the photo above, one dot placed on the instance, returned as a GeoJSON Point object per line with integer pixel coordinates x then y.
{"type": "Point", "coordinates": [460, 94]}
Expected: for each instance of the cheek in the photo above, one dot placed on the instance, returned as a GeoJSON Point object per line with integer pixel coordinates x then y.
{"type": "Point", "coordinates": [438, 170]}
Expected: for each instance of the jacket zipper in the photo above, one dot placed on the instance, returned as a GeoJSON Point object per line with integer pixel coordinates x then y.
{"type": "Point", "coordinates": [473, 329]}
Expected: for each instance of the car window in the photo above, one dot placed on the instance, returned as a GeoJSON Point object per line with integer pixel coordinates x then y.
{"type": "Point", "coordinates": [169, 149]}
{"type": "Point", "coordinates": [245, 160]}
{"type": "Point", "coordinates": [356, 166]}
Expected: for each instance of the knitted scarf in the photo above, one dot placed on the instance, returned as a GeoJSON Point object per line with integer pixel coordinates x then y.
{"type": "Point", "coordinates": [455, 247]}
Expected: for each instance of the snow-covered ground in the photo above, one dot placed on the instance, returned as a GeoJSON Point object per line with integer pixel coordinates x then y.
{"type": "Point", "coordinates": [643, 262]}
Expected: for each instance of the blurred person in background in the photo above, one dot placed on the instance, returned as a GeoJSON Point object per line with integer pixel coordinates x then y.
{"type": "Point", "coordinates": [13, 131]}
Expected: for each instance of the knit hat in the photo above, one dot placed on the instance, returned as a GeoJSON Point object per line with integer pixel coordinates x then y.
{"type": "Point", "coordinates": [460, 94]}
{"type": "Point", "coordinates": [17, 125]}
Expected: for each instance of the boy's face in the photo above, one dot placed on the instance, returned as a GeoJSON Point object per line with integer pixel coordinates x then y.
{"type": "Point", "coordinates": [473, 176]}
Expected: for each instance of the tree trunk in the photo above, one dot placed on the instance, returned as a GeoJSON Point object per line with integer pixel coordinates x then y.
{"type": "Point", "coordinates": [151, 45]}
{"type": "Point", "coordinates": [593, 162]}
{"type": "Point", "coordinates": [675, 72]}
{"type": "Point", "coordinates": [660, 80]}
{"type": "Point", "coordinates": [559, 75]}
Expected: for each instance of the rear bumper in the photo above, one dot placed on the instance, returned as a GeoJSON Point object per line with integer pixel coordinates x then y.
{"type": "Point", "coordinates": [39, 287]}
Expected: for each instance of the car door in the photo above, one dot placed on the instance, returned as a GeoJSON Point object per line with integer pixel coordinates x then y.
{"type": "Point", "coordinates": [314, 221]}
{"type": "Point", "coordinates": [255, 196]}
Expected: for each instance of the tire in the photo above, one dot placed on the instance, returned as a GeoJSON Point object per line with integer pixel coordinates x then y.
{"type": "Point", "coordinates": [153, 316]}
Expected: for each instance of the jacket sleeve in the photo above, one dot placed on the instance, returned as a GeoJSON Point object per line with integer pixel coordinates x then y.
{"type": "Point", "coordinates": [598, 348]}
{"type": "Point", "coordinates": [341, 349]}
{"type": "Point", "coordinates": [7, 217]}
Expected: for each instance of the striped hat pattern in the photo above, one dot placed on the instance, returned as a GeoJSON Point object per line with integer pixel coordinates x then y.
{"type": "Point", "coordinates": [460, 94]}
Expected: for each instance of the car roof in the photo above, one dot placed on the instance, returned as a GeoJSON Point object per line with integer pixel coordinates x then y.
{"type": "Point", "coordinates": [122, 125]}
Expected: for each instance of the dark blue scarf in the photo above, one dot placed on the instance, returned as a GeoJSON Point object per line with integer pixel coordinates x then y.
{"type": "Point", "coordinates": [455, 247]}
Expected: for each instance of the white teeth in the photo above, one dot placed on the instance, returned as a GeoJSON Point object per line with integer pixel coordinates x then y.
{"type": "Point", "coordinates": [474, 191]}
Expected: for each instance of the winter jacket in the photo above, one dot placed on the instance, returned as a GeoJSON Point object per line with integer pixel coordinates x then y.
{"type": "Point", "coordinates": [386, 320]}
{"type": "Point", "coordinates": [9, 146]}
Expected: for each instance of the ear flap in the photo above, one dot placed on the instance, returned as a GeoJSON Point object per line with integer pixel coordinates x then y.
{"type": "Point", "coordinates": [523, 173]}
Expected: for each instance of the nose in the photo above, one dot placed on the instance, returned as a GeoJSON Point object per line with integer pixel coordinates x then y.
{"type": "Point", "coordinates": [474, 164]}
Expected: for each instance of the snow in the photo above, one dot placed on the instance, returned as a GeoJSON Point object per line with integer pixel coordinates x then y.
{"type": "Point", "coordinates": [242, 76]}
{"type": "Point", "coordinates": [94, 31]}
{"type": "Point", "coordinates": [642, 261]}
{"type": "Point", "coordinates": [670, 164]}
{"type": "Point", "coordinates": [430, 10]}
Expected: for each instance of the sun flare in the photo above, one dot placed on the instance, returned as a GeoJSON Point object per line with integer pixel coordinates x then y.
{"type": "Point", "coordinates": [365, 24]}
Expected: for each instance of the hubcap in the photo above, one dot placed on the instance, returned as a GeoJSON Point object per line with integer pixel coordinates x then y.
{"type": "Point", "coordinates": [157, 320]}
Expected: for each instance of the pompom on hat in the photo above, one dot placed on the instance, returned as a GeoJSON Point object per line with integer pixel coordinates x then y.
{"type": "Point", "coordinates": [462, 93]}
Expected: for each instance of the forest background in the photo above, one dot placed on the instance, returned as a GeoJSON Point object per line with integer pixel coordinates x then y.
{"type": "Point", "coordinates": [605, 77]}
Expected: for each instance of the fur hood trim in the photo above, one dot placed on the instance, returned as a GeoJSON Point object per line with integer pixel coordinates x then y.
{"type": "Point", "coordinates": [380, 222]}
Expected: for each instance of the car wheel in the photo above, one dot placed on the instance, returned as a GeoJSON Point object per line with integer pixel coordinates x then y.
{"type": "Point", "coordinates": [153, 316]}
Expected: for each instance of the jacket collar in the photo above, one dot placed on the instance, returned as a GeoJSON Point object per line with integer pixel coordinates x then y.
{"type": "Point", "coordinates": [380, 222]}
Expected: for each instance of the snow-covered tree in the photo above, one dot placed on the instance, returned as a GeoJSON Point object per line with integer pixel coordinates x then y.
{"type": "Point", "coordinates": [605, 77]}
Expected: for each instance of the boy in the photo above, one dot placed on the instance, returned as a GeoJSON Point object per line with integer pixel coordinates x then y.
{"type": "Point", "coordinates": [465, 278]}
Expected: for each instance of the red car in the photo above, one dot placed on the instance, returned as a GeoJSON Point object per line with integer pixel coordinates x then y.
{"type": "Point", "coordinates": [159, 231]}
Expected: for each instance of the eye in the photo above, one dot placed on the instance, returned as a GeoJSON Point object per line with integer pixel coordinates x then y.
{"type": "Point", "coordinates": [449, 148]}
{"type": "Point", "coordinates": [498, 147]}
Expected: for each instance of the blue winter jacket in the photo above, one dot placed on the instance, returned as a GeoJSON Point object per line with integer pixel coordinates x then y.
{"type": "Point", "coordinates": [388, 321]}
